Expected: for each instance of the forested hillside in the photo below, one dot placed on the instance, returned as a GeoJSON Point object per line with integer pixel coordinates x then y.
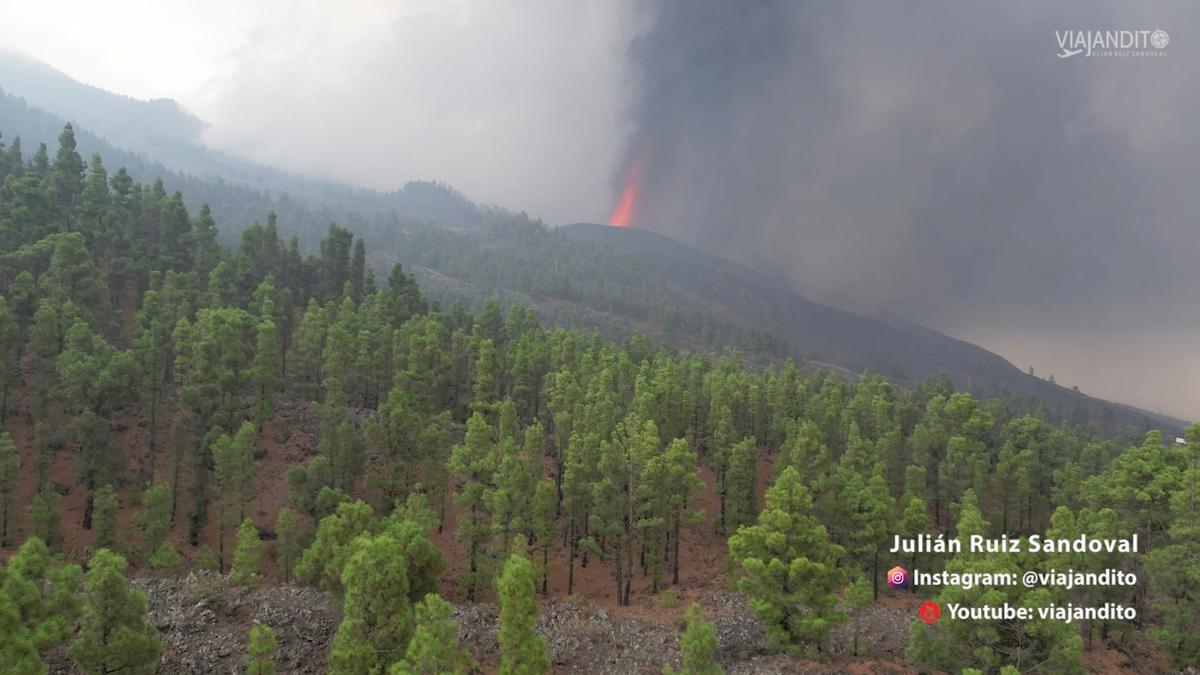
{"type": "Point", "coordinates": [172, 404]}
{"type": "Point", "coordinates": [626, 280]}
{"type": "Point", "coordinates": [580, 276]}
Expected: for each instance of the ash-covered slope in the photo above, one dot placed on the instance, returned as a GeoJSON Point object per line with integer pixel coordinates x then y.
{"type": "Point", "coordinates": [901, 350]}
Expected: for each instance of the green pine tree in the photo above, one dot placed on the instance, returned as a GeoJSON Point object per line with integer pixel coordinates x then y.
{"type": "Point", "coordinates": [233, 460]}
{"type": "Point", "coordinates": [165, 558]}
{"type": "Point", "coordinates": [377, 616]}
{"type": "Point", "coordinates": [106, 518]}
{"type": "Point", "coordinates": [114, 634]}
{"type": "Point", "coordinates": [699, 646]}
{"type": "Point", "coordinates": [43, 591]}
{"type": "Point", "coordinates": [261, 650]}
{"type": "Point", "coordinates": [323, 562]}
{"type": "Point", "coordinates": [10, 466]}
{"type": "Point", "coordinates": [741, 506]}
{"type": "Point", "coordinates": [434, 646]}
{"type": "Point", "coordinates": [265, 371]}
{"type": "Point", "coordinates": [10, 343]}
{"type": "Point", "coordinates": [409, 525]}
{"type": "Point", "coordinates": [155, 517]}
{"type": "Point", "coordinates": [247, 559]}
{"type": "Point", "coordinates": [522, 651]}
{"type": "Point", "coordinates": [288, 548]}
{"type": "Point", "coordinates": [858, 597]}
{"type": "Point", "coordinates": [17, 651]}
{"type": "Point", "coordinates": [487, 380]}
{"type": "Point", "coordinates": [954, 645]}
{"type": "Point", "coordinates": [206, 559]}
{"type": "Point", "coordinates": [44, 519]}
{"type": "Point", "coordinates": [544, 526]}
{"type": "Point", "coordinates": [1176, 567]}
{"type": "Point", "coordinates": [788, 568]}
{"type": "Point", "coordinates": [474, 462]}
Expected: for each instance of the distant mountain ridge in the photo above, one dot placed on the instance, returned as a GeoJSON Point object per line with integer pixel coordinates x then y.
{"type": "Point", "coordinates": [159, 138]}
{"type": "Point", "coordinates": [582, 275]}
{"type": "Point", "coordinates": [138, 125]}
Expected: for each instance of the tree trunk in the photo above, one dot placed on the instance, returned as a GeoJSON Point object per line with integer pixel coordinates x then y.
{"type": "Point", "coordinates": [571, 565]}
{"type": "Point", "coordinates": [629, 534]}
{"type": "Point", "coordinates": [584, 562]}
{"type": "Point", "coordinates": [666, 552]}
{"type": "Point", "coordinates": [675, 543]}
{"type": "Point", "coordinates": [176, 460]}
{"type": "Point", "coordinates": [221, 538]}
{"type": "Point", "coordinates": [4, 396]}
{"type": "Point", "coordinates": [874, 583]}
{"type": "Point", "coordinates": [721, 489]}
{"type": "Point", "coordinates": [89, 484]}
{"type": "Point", "coordinates": [474, 550]}
{"type": "Point", "coordinates": [283, 360]}
{"type": "Point", "coordinates": [153, 435]}
{"type": "Point", "coordinates": [558, 479]}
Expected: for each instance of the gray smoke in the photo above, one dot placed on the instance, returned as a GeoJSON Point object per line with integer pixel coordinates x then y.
{"type": "Point", "coordinates": [940, 163]}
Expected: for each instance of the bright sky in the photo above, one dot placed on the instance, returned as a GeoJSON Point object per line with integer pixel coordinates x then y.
{"type": "Point", "coordinates": [109, 44]}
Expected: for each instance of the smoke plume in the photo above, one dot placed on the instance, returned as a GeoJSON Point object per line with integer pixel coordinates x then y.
{"type": "Point", "coordinates": [941, 164]}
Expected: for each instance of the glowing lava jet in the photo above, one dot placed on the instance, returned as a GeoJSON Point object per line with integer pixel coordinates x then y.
{"type": "Point", "coordinates": [622, 215]}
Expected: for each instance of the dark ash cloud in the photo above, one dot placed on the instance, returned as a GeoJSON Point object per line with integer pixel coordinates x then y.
{"type": "Point", "coordinates": [939, 163]}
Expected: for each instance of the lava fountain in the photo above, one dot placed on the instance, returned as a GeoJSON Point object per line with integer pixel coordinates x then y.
{"type": "Point", "coordinates": [622, 214]}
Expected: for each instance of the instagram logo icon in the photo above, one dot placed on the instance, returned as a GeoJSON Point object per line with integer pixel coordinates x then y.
{"type": "Point", "coordinates": [897, 577]}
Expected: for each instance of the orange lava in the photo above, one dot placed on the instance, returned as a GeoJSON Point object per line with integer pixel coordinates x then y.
{"type": "Point", "coordinates": [622, 215]}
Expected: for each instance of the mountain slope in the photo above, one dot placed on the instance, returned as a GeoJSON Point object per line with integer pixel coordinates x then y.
{"type": "Point", "coordinates": [621, 281]}
{"type": "Point", "coordinates": [159, 138]}
{"type": "Point", "coordinates": [903, 351]}
{"type": "Point", "coordinates": [585, 276]}
{"type": "Point", "coordinates": [139, 125]}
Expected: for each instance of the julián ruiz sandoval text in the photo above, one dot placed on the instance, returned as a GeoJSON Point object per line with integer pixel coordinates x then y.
{"type": "Point", "coordinates": [1034, 543]}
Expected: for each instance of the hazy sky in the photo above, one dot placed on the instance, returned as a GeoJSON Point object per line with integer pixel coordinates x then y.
{"type": "Point", "coordinates": [923, 160]}
{"type": "Point", "coordinates": [940, 162]}
{"type": "Point", "coordinates": [515, 103]}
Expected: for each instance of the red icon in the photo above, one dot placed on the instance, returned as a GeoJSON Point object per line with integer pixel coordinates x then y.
{"type": "Point", "coordinates": [930, 612]}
